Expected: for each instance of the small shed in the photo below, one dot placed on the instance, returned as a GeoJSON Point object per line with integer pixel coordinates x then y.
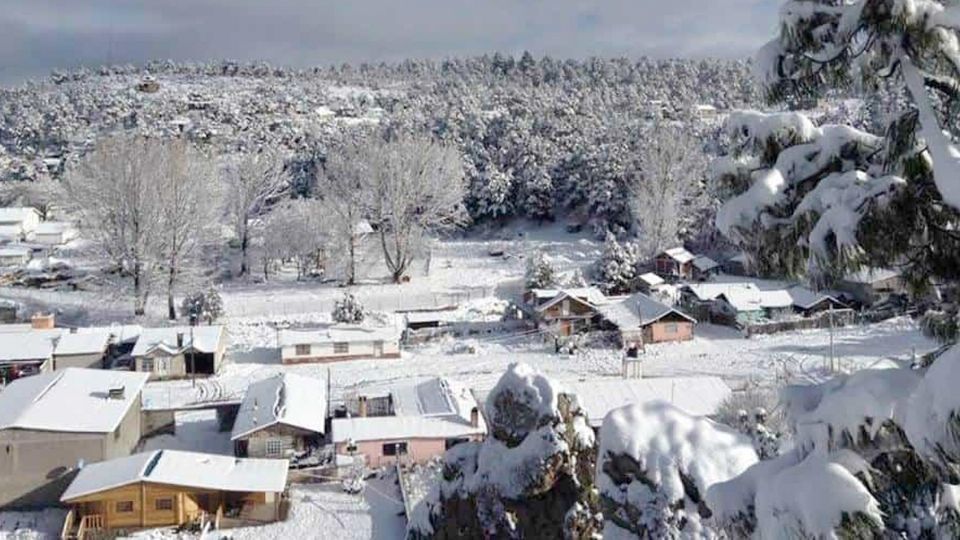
{"type": "Point", "coordinates": [337, 343]}
{"type": "Point", "coordinates": [166, 488]}
{"type": "Point", "coordinates": [777, 304]}
{"type": "Point", "coordinates": [54, 233]}
{"type": "Point", "coordinates": [704, 268]}
{"type": "Point", "coordinates": [807, 302]}
{"type": "Point", "coordinates": [180, 351]}
{"type": "Point", "coordinates": [870, 285]}
{"type": "Point", "coordinates": [281, 417]}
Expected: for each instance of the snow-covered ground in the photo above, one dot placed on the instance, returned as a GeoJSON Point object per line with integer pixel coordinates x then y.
{"type": "Point", "coordinates": [42, 525]}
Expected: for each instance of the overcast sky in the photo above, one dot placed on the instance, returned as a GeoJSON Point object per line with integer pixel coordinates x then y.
{"type": "Point", "coordinates": [39, 35]}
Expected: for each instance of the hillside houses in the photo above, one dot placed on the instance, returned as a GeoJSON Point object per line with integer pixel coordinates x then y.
{"type": "Point", "coordinates": [565, 311]}
{"type": "Point", "coordinates": [51, 422]}
{"type": "Point", "coordinates": [179, 351]}
{"type": "Point", "coordinates": [338, 343]}
{"type": "Point", "coordinates": [413, 422]}
{"type": "Point", "coordinates": [675, 263]}
{"type": "Point", "coordinates": [639, 319]}
{"type": "Point", "coordinates": [280, 417]}
{"type": "Point", "coordinates": [166, 488]}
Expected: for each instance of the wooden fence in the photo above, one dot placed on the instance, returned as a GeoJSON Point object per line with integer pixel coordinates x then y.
{"type": "Point", "coordinates": [841, 317]}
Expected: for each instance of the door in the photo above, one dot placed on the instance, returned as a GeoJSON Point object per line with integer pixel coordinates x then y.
{"type": "Point", "coordinates": [377, 349]}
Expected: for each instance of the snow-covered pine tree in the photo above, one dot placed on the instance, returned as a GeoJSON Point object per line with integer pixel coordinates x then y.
{"type": "Point", "coordinates": [617, 267]}
{"type": "Point", "coordinates": [540, 273]}
{"type": "Point", "coordinates": [206, 306]}
{"type": "Point", "coordinates": [348, 309]}
{"type": "Point", "coordinates": [857, 196]}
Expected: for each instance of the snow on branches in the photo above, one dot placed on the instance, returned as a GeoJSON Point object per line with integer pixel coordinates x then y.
{"type": "Point", "coordinates": [786, 175]}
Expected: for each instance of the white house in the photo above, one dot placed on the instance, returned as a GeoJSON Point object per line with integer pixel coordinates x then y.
{"type": "Point", "coordinates": [54, 233]}
{"type": "Point", "coordinates": [13, 255]}
{"type": "Point", "coordinates": [414, 422]}
{"type": "Point", "coordinates": [16, 222]}
{"type": "Point", "coordinates": [180, 351]}
{"type": "Point", "coordinates": [81, 349]}
{"type": "Point", "coordinates": [697, 396]}
{"type": "Point", "coordinates": [338, 342]}
{"type": "Point", "coordinates": [280, 416]}
{"type": "Point", "coordinates": [26, 352]}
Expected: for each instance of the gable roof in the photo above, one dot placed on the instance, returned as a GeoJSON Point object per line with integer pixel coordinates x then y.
{"type": "Point", "coordinates": [697, 396]}
{"type": "Point", "coordinates": [73, 400]}
{"type": "Point", "coordinates": [206, 339]}
{"type": "Point", "coordinates": [710, 291]}
{"type": "Point", "coordinates": [289, 399]}
{"type": "Point", "coordinates": [742, 298]}
{"type": "Point", "coordinates": [433, 408]}
{"type": "Point", "coordinates": [638, 310]}
{"type": "Point", "coordinates": [184, 469]}
{"type": "Point", "coordinates": [90, 342]}
{"type": "Point", "coordinates": [704, 263]}
{"type": "Point", "coordinates": [679, 254]}
{"type": "Point", "coordinates": [590, 296]}
{"type": "Point", "coordinates": [805, 298]}
{"type": "Point", "coordinates": [651, 279]}
{"type": "Point", "coordinates": [773, 299]}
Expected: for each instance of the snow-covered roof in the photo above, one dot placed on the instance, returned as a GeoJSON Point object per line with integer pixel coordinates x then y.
{"type": "Point", "coordinates": [184, 469]}
{"type": "Point", "coordinates": [743, 298]}
{"type": "Point", "coordinates": [704, 263]}
{"type": "Point", "coordinates": [289, 399]}
{"type": "Point", "coordinates": [651, 279]}
{"type": "Point", "coordinates": [805, 298]}
{"type": "Point", "coordinates": [72, 400]}
{"type": "Point", "coordinates": [679, 254]}
{"type": "Point", "coordinates": [90, 342]}
{"type": "Point", "coordinates": [14, 251]}
{"type": "Point", "coordinates": [435, 408]}
{"type": "Point", "coordinates": [206, 339]}
{"type": "Point", "coordinates": [871, 275]}
{"type": "Point", "coordinates": [638, 310]}
{"type": "Point", "coordinates": [696, 396]}
{"type": "Point", "coordinates": [53, 227]}
{"type": "Point", "coordinates": [710, 291]}
{"type": "Point", "coordinates": [10, 231]}
{"type": "Point", "coordinates": [338, 334]}
{"type": "Point", "coordinates": [590, 295]}
{"type": "Point", "coordinates": [119, 333]}
{"type": "Point", "coordinates": [775, 299]}
{"type": "Point", "coordinates": [16, 214]}
{"type": "Point", "coordinates": [28, 345]}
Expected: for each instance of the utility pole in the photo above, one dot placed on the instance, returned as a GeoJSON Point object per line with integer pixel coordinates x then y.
{"type": "Point", "coordinates": [193, 362]}
{"type": "Point", "coordinates": [832, 357]}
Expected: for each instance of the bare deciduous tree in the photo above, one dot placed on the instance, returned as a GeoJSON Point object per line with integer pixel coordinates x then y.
{"type": "Point", "coordinates": [114, 190]}
{"type": "Point", "coordinates": [43, 194]}
{"type": "Point", "coordinates": [415, 188]}
{"type": "Point", "coordinates": [344, 200]}
{"type": "Point", "coordinates": [189, 198]}
{"type": "Point", "coordinates": [253, 183]}
{"type": "Point", "coordinates": [665, 193]}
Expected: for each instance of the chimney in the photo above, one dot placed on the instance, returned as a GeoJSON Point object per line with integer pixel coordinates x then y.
{"type": "Point", "coordinates": [362, 405]}
{"type": "Point", "coordinates": [116, 391]}
{"type": "Point", "coordinates": [41, 321]}
{"type": "Point", "coordinates": [179, 340]}
{"type": "Point", "coordinates": [475, 417]}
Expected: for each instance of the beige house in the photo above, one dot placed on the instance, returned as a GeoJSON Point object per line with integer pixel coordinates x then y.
{"type": "Point", "coordinates": [14, 255]}
{"type": "Point", "coordinates": [565, 311]}
{"type": "Point", "coordinates": [52, 423]}
{"type": "Point", "coordinates": [413, 423]}
{"type": "Point", "coordinates": [81, 349]}
{"type": "Point", "coordinates": [16, 222]}
{"type": "Point", "coordinates": [281, 417]}
{"type": "Point", "coordinates": [166, 488]}
{"type": "Point", "coordinates": [180, 351]}
{"type": "Point", "coordinates": [26, 351]}
{"type": "Point", "coordinates": [639, 319]}
{"type": "Point", "coordinates": [337, 343]}
{"type": "Point", "coordinates": [54, 233]}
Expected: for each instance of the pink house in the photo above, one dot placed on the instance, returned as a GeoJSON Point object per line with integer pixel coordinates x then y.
{"type": "Point", "coordinates": [413, 423]}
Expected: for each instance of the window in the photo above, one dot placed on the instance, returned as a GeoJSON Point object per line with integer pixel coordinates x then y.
{"type": "Point", "coordinates": [395, 449]}
{"type": "Point", "coordinates": [450, 443]}
{"type": "Point", "coordinates": [124, 507]}
{"type": "Point", "coordinates": [274, 447]}
{"type": "Point", "coordinates": [146, 364]}
{"type": "Point", "coordinates": [163, 504]}
{"type": "Point", "coordinates": [303, 350]}
{"type": "Point", "coordinates": [341, 347]}
{"type": "Point", "coordinates": [671, 328]}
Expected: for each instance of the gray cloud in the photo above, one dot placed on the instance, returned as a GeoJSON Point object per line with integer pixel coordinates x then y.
{"type": "Point", "coordinates": [39, 35]}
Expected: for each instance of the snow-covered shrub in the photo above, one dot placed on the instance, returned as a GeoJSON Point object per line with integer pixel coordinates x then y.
{"type": "Point", "coordinates": [540, 273]}
{"type": "Point", "coordinates": [754, 412]}
{"type": "Point", "coordinates": [348, 309]}
{"type": "Point", "coordinates": [531, 477]}
{"type": "Point", "coordinates": [655, 465]}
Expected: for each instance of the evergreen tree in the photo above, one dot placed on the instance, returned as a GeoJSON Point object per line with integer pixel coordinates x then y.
{"type": "Point", "coordinates": [540, 273]}
{"type": "Point", "coordinates": [348, 310]}
{"type": "Point", "coordinates": [617, 266]}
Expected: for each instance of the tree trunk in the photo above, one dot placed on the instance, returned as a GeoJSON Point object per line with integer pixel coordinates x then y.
{"type": "Point", "coordinates": [171, 306]}
{"type": "Point", "coordinates": [244, 245]}
{"type": "Point", "coordinates": [139, 304]}
{"type": "Point", "coordinates": [352, 262]}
